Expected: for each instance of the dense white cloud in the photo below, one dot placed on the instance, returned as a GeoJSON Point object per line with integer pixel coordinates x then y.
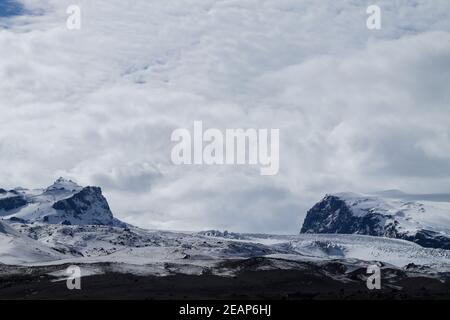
{"type": "Point", "coordinates": [357, 109]}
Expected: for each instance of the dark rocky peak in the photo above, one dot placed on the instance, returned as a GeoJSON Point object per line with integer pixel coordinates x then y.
{"type": "Point", "coordinates": [88, 206]}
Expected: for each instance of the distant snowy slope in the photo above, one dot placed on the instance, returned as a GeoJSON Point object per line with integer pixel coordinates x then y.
{"type": "Point", "coordinates": [325, 247]}
{"type": "Point", "coordinates": [424, 222]}
{"type": "Point", "coordinates": [19, 249]}
{"type": "Point", "coordinates": [368, 248]}
{"type": "Point", "coordinates": [134, 246]}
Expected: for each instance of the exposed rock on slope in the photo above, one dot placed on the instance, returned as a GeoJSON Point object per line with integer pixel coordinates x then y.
{"type": "Point", "coordinates": [425, 223]}
{"type": "Point", "coordinates": [64, 202]}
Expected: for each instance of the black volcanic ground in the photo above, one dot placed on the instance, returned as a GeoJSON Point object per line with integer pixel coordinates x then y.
{"type": "Point", "coordinates": [308, 282]}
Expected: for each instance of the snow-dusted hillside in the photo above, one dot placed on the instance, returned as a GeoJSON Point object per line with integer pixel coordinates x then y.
{"type": "Point", "coordinates": [161, 252]}
{"type": "Point", "coordinates": [394, 215]}
{"type": "Point", "coordinates": [64, 202]}
{"type": "Point", "coordinates": [16, 248]}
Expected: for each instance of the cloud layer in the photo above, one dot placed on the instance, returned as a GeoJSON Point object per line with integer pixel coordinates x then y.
{"type": "Point", "coordinates": [357, 109]}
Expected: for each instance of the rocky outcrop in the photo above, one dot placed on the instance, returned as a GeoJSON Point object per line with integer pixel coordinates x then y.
{"type": "Point", "coordinates": [12, 202]}
{"type": "Point", "coordinates": [64, 202]}
{"type": "Point", "coordinates": [369, 216]}
{"type": "Point", "coordinates": [87, 207]}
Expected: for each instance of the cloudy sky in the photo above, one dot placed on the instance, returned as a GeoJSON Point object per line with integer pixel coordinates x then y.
{"type": "Point", "coordinates": [358, 110]}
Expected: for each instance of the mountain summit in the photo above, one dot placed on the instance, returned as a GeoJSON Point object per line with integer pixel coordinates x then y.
{"type": "Point", "coordinates": [63, 184]}
{"type": "Point", "coordinates": [64, 202]}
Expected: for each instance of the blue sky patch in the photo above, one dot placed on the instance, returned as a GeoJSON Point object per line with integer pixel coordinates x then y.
{"type": "Point", "coordinates": [10, 8]}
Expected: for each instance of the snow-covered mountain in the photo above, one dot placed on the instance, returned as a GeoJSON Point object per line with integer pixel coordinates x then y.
{"type": "Point", "coordinates": [64, 202]}
{"type": "Point", "coordinates": [388, 214]}
{"type": "Point", "coordinates": [69, 224]}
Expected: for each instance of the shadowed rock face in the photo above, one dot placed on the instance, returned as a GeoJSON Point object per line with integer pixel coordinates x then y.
{"type": "Point", "coordinates": [12, 203]}
{"type": "Point", "coordinates": [333, 215]}
{"type": "Point", "coordinates": [88, 206]}
{"type": "Point", "coordinates": [430, 239]}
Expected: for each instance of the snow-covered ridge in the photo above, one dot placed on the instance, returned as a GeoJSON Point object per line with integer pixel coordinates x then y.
{"type": "Point", "coordinates": [155, 252]}
{"type": "Point", "coordinates": [64, 202]}
{"type": "Point", "coordinates": [388, 214]}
